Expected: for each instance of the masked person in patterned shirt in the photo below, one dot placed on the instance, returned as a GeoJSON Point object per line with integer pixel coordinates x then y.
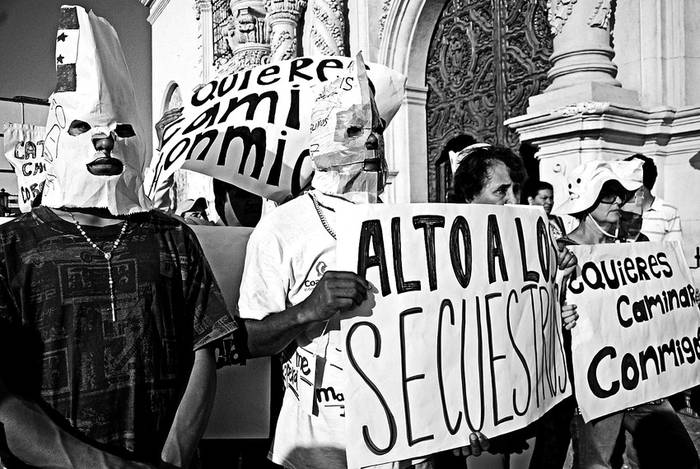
{"type": "Point", "coordinates": [108, 310]}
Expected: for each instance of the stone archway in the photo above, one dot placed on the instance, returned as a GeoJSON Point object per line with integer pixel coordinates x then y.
{"type": "Point", "coordinates": [405, 39]}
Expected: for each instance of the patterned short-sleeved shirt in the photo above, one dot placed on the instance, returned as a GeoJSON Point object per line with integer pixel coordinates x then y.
{"type": "Point", "coordinates": [117, 382]}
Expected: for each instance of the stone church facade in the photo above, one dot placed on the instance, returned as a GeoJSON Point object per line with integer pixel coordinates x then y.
{"type": "Point", "coordinates": [563, 81]}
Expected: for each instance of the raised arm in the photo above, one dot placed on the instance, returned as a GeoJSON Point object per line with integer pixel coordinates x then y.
{"type": "Point", "coordinates": [336, 292]}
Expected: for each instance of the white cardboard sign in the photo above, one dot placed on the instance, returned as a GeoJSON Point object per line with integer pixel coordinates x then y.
{"type": "Point", "coordinates": [24, 150]}
{"type": "Point", "coordinates": [252, 128]}
{"type": "Point", "coordinates": [465, 333]}
{"type": "Point", "coordinates": [638, 335]}
{"type": "Point", "coordinates": [242, 404]}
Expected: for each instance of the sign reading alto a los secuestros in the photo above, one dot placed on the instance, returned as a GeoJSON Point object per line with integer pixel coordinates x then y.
{"type": "Point", "coordinates": [251, 129]}
{"type": "Point", "coordinates": [638, 336]}
{"type": "Point", "coordinates": [465, 333]}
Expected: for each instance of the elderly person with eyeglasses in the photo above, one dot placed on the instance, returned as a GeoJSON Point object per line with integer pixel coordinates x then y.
{"type": "Point", "coordinates": [598, 192]}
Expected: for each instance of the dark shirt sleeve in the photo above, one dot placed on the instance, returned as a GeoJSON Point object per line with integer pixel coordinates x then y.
{"type": "Point", "coordinates": [211, 318]}
{"type": "Point", "coordinates": [20, 344]}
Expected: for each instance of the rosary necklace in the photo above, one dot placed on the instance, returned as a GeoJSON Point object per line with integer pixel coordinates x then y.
{"type": "Point", "coordinates": [324, 222]}
{"type": "Point", "coordinates": [107, 255]}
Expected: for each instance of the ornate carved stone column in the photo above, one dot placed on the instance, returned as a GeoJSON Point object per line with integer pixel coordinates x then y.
{"type": "Point", "coordinates": [582, 67]}
{"type": "Point", "coordinates": [283, 18]}
{"type": "Point", "coordinates": [327, 33]}
{"type": "Point", "coordinates": [250, 34]}
{"type": "Point", "coordinates": [204, 15]}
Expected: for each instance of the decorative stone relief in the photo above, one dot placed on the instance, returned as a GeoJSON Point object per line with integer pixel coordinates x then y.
{"type": "Point", "coordinates": [205, 42]}
{"type": "Point", "coordinates": [559, 12]}
{"type": "Point", "coordinates": [588, 107]}
{"type": "Point", "coordinates": [220, 22]}
{"type": "Point", "coordinates": [240, 35]}
{"type": "Point", "coordinates": [283, 17]}
{"type": "Point", "coordinates": [583, 49]}
{"type": "Point", "coordinates": [328, 27]}
{"type": "Point", "coordinates": [249, 21]}
{"type": "Point", "coordinates": [602, 14]}
{"type": "Point", "coordinates": [382, 19]}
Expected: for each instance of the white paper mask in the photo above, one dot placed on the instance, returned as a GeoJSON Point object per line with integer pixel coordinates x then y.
{"type": "Point", "coordinates": [94, 141]}
{"type": "Point", "coordinates": [347, 146]}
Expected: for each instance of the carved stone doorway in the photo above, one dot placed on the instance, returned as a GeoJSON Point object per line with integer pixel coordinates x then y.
{"type": "Point", "coordinates": [486, 58]}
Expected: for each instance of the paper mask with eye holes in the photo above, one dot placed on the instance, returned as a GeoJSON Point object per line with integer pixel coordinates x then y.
{"type": "Point", "coordinates": [94, 143]}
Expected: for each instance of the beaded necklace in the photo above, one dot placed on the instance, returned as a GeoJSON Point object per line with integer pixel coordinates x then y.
{"type": "Point", "coordinates": [322, 217]}
{"type": "Point", "coordinates": [107, 255]}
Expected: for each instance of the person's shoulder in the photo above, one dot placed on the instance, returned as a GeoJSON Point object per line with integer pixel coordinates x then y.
{"type": "Point", "coordinates": [160, 222]}
{"type": "Point", "coordinates": [287, 216]}
{"type": "Point", "coordinates": [25, 221]}
{"type": "Point", "coordinates": [157, 218]}
{"type": "Point", "coordinates": [663, 206]}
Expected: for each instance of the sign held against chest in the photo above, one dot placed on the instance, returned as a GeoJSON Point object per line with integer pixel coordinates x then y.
{"type": "Point", "coordinates": [466, 332]}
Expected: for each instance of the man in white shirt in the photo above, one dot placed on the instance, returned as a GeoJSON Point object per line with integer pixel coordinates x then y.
{"type": "Point", "coordinates": [660, 220]}
{"type": "Point", "coordinates": [292, 298]}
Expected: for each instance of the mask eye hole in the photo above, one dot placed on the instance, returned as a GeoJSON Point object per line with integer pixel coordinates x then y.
{"type": "Point", "coordinates": [354, 131]}
{"type": "Point", "coordinates": [124, 130]}
{"type": "Point", "coordinates": [78, 127]}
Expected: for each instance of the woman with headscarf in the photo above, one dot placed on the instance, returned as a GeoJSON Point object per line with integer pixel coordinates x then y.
{"type": "Point", "coordinates": [493, 175]}
{"type": "Point", "coordinates": [598, 190]}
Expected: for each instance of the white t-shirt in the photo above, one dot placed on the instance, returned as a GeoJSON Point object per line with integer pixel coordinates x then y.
{"type": "Point", "coordinates": [287, 254]}
{"type": "Point", "coordinates": [660, 222]}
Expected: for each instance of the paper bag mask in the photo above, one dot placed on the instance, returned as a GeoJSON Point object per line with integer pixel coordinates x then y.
{"type": "Point", "coordinates": [347, 146]}
{"type": "Point", "coordinates": [94, 146]}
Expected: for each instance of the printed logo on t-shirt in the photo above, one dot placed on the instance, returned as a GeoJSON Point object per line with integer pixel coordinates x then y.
{"type": "Point", "coordinates": [320, 269]}
{"type": "Point", "coordinates": [298, 372]}
{"type": "Point", "coordinates": [81, 281]}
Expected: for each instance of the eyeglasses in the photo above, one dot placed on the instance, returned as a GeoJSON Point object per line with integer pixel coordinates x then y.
{"type": "Point", "coordinates": [611, 198]}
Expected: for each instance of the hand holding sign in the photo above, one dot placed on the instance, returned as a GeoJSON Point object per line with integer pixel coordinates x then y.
{"type": "Point", "coordinates": [478, 442]}
{"type": "Point", "coordinates": [569, 316]}
{"type": "Point", "coordinates": [336, 292]}
{"type": "Point", "coordinates": [169, 116]}
{"type": "Point", "coordinates": [566, 260]}
{"type": "Point", "coordinates": [466, 333]}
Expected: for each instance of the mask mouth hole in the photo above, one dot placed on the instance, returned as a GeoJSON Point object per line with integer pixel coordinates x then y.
{"type": "Point", "coordinates": [372, 164]}
{"type": "Point", "coordinates": [105, 166]}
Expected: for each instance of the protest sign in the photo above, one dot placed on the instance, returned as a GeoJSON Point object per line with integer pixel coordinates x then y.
{"type": "Point", "coordinates": [24, 150]}
{"type": "Point", "coordinates": [465, 333]}
{"type": "Point", "coordinates": [251, 129]}
{"type": "Point", "coordinates": [242, 403]}
{"type": "Point", "coordinates": [638, 334]}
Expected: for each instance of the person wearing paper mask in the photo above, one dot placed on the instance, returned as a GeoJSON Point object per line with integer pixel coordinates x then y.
{"type": "Point", "coordinates": [291, 297]}
{"type": "Point", "coordinates": [108, 310]}
{"type": "Point", "coordinates": [598, 192]}
{"type": "Point", "coordinates": [493, 175]}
